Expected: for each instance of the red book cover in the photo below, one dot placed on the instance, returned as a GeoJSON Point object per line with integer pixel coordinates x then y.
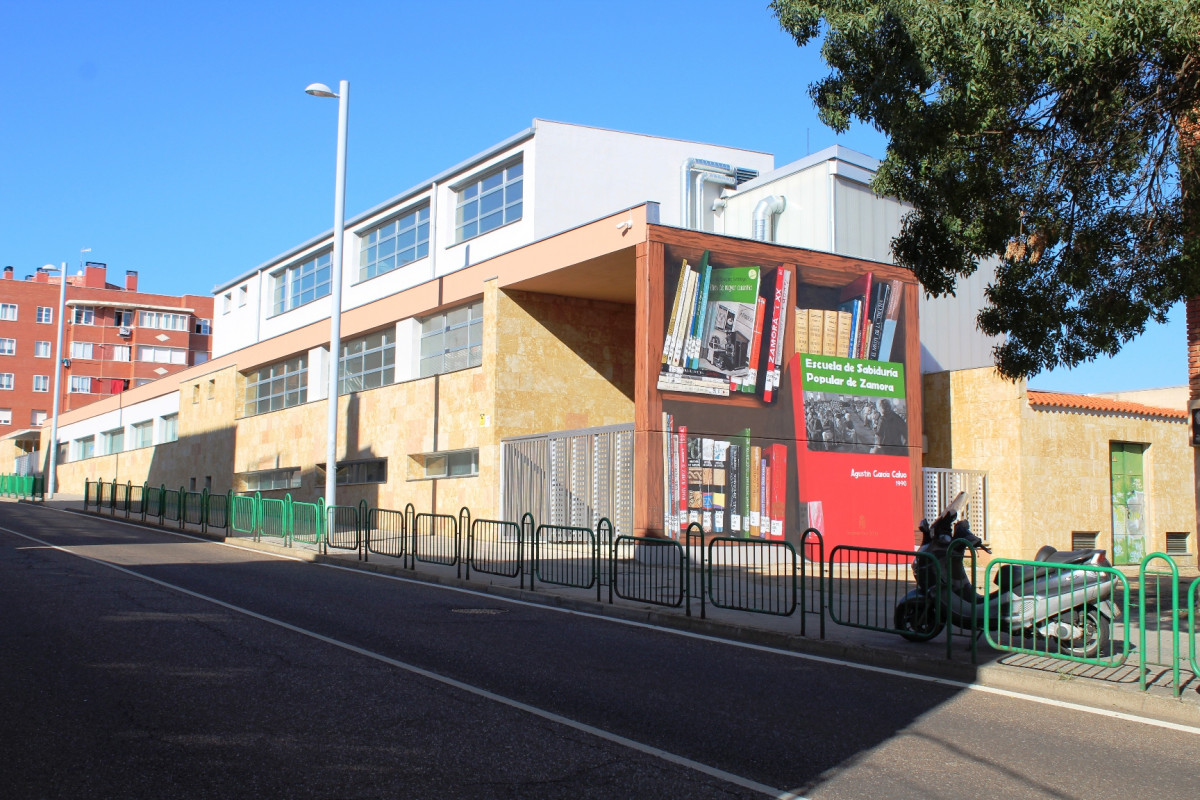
{"type": "Point", "coordinates": [760, 311]}
{"type": "Point", "coordinates": [778, 490]}
{"type": "Point", "coordinates": [683, 478]}
{"type": "Point", "coordinates": [776, 306]}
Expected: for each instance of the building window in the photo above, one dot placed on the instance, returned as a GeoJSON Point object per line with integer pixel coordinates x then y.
{"type": "Point", "coordinates": [114, 440]}
{"type": "Point", "coordinates": [199, 358]}
{"type": "Point", "coordinates": [449, 464]}
{"type": "Point", "coordinates": [195, 394]}
{"type": "Point", "coordinates": [85, 447]}
{"type": "Point", "coordinates": [6, 380]}
{"type": "Point", "coordinates": [270, 479]}
{"type": "Point", "coordinates": [281, 385]}
{"type": "Point", "coordinates": [122, 318]}
{"type": "Point", "coordinates": [394, 244]}
{"type": "Point", "coordinates": [243, 294]}
{"type": "Point", "coordinates": [489, 202]}
{"type": "Point", "coordinates": [163, 320]}
{"type": "Point", "coordinates": [301, 283]}
{"type": "Point", "coordinates": [162, 355]}
{"type": "Point", "coordinates": [5, 416]}
{"type": "Point", "coordinates": [83, 315]}
{"type": "Point", "coordinates": [45, 314]}
{"type": "Point", "coordinates": [80, 385]}
{"type": "Point", "coordinates": [367, 363]}
{"type": "Point", "coordinates": [120, 352]}
{"type": "Point", "coordinates": [81, 350]}
{"type": "Point", "coordinates": [202, 327]}
{"type": "Point", "coordinates": [143, 433]}
{"type": "Point", "coordinates": [41, 383]}
{"type": "Point", "coordinates": [38, 418]}
{"type": "Point", "coordinates": [41, 349]}
{"type": "Point", "coordinates": [452, 340]}
{"type": "Point", "coordinates": [212, 388]}
{"type": "Point", "coordinates": [170, 428]}
{"type": "Point", "coordinates": [8, 347]}
{"type": "Point", "coordinates": [8, 311]}
{"type": "Point", "coordinates": [354, 472]}
{"type": "Point", "coordinates": [226, 302]}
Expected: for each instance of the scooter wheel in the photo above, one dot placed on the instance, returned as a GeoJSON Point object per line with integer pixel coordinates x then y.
{"type": "Point", "coordinates": [1094, 634]}
{"type": "Point", "coordinates": [917, 620]}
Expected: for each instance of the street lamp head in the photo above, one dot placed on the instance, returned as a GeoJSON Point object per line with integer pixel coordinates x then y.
{"type": "Point", "coordinates": [319, 90]}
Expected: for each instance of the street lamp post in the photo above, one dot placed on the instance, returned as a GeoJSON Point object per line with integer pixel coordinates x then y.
{"type": "Point", "coordinates": [52, 481]}
{"type": "Point", "coordinates": [335, 277]}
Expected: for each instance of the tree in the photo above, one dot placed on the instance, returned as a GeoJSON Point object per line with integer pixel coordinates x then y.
{"type": "Point", "coordinates": [1046, 133]}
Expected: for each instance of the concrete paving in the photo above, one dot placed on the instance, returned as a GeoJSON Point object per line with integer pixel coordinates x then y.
{"type": "Point", "coordinates": [1112, 688]}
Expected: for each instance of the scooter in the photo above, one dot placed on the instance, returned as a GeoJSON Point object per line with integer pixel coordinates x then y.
{"type": "Point", "coordinates": [1068, 609]}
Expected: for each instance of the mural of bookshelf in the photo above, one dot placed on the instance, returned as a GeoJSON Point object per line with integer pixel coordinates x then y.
{"type": "Point", "coordinates": [782, 395]}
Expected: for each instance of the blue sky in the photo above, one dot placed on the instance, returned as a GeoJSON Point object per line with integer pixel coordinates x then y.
{"type": "Point", "coordinates": [176, 139]}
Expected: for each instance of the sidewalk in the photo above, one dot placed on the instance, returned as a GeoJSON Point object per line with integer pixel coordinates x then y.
{"type": "Point", "coordinates": [1109, 688]}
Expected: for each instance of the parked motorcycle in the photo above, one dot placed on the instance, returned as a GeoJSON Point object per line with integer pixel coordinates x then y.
{"type": "Point", "coordinates": [1069, 610]}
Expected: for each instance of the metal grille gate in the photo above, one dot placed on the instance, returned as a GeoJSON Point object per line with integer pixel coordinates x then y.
{"type": "Point", "coordinates": [570, 478]}
{"type": "Point", "coordinates": [941, 485]}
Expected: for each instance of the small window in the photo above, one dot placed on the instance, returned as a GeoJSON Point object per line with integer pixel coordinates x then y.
{"type": "Point", "coordinates": [8, 312]}
{"type": "Point", "coordinates": [120, 352]}
{"type": "Point", "coordinates": [8, 347]}
{"type": "Point", "coordinates": [80, 385]}
{"type": "Point", "coordinates": [114, 440]}
{"type": "Point", "coordinates": [203, 327]}
{"type": "Point", "coordinates": [85, 447]}
{"type": "Point", "coordinates": [45, 314]}
{"type": "Point", "coordinates": [1084, 540]}
{"type": "Point", "coordinates": [163, 320]}
{"type": "Point", "coordinates": [41, 349]}
{"type": "Point", "coordinates": [6, 381]}
{"type": "Point", "coordinates": [226, 303]}
{"type": "Point", "coordinates": [487, 203]}
{"type": "Point", "coordinates": [122, 318]}
{"type": "Point", "coordinates": [268, 480]}
{"type": "Point", "coordinates": [5, 416]}
{"type": "Point", "coordinates": [82, 350]}
{"type": "Point", "coordinates": [243, 293]}
{"type": "Point", "coordinates": [83, 315]}
{"type": "Point", "coordinates": [355, 472]}
{"type": "Point", "coordinates": [41, 383]}
{"type": "Point", "coordinates": [447, 464]}
{"type": "Point", "coordinates": [170, 428]}
{"type": "Point", "coordinates": [38, 418]}
{"type": "Point", "coordinates": [195, 393]}
{"type": "Point", "coordinates": [212, 388]}
{"type": "Point", "coordinates": [162, 355]}
{"type": "Point", "coordinates": [143, 434]}
{"type": "Point", "coordinates": [1177, 543]}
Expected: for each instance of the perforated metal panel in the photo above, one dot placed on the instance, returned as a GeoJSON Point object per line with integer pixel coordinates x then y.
{"type": "Point", "coordinates": [570, 478]}
{"type": "Point", "coordinates": [942, 485]}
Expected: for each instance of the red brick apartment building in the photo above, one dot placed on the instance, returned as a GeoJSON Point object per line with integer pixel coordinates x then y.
{"type": "Point", "coordinates": [115, 338]}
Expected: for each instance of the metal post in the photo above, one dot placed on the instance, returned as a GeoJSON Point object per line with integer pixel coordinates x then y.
{"type": "Point", "coordinates": [52, 483]}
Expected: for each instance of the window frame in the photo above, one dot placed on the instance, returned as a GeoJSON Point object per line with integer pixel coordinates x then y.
{"type": "Point", "coordinates": [281, 478]}
{"type": "Point", "coordinates": [473, 192]}
{"type": "Point", "coordinates": [6, 416]}
{"type": "Point", "coordinates": [424, 461]}
{"type": "Point", "coordinates": [78, 350]}
{"type": "Point", "coordinates": [294, 370]}
{"type": "Point", "coordinates": [115, 436]}
{"type": "Point", "coordinates": [83, 315]}
{"type": "Point", "coordinates": [142, 430]}
{"type": "Point", "coordinates": [8, 346]}
{"type": "Point", "coordinates": [49, 313]}
{"type": "Point", "coordinates": [371, 239]}
{"type": "Point", "coordinates": [288, 290]}
{"type": "Point", "coordinates": [76, 381]}
{"type": "Point", "coordinates": [472, 339]}
{"type": "Point", "coordinates": [6, 309]}
{"type": "Point", "coordinates": [38, 345]}
{"type": "Point", "coordinates": [7, 381]}
{"type": "Point", "coordinates": [45, 380]}
{"type": "Point", "coordinates": [169, 426]}
{"type": "Point", "coordinates": [363, 378]}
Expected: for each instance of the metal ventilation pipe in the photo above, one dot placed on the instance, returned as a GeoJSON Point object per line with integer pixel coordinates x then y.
{"type": "Point", "coordinates": [764, 214]}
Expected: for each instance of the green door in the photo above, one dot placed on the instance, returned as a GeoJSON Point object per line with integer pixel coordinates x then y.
{"type": "Point", "coordinates": [1128, 503]}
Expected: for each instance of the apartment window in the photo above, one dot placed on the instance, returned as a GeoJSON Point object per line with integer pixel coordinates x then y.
{"type": "Point", "coordinates": [243, 294]}
{"type": "Point", "coordinates": [122, 318]}
{"type": "Point", "coordinates": [202, 327]}
{"type": "Point", "coordinates": [8, 311]}
{"type": "Point", "coordinates": [226, 303]}
{"type": "Point", "coordinates": [45, 314]}
{"type": "Point", "coordinates": [367, 363]}
{"type": "Point", "coordinates": [62, 452]}
{"type": "Point", "coordinates": [354, 472]}
{"type": "Point", "coordinates": [212, 388]}
{"type": "Point", "coordinates": [41, 349]}
{"type": "Point", "coordinates": [267, 480]}
{"type": "Point", "coordinates": [450, 464]}
{"type": "Point", "coordinates": [8, 347]}
{"type": "Point", "coordinates": [83, 315]}
{"type": "Point", "coordinates": [38, 418]}
{"type": "Point", "coordinates": [81, 350]}
{"type": "Point", "coordinates": [170, 428]}
{"type": "Point", "coordinates": [114, 440]}
{"type": "Point", "coordinates": [6, 380]}
{"type": "Point", "coordinates": [489, 202]}
{"type": "Point", "coordinates": [80, 385]}
{"type": "Point", "coordinates": [163, 320]}
{"type": "Point", "coordinates": [394, 244]}
{"type": "Point", "coordinates": [143, 433]}
{"type": "Point", "coordinates": [5, 416]}
{"type": "Point", "coordinates": [301, 283]}
{"type": "Point", "coordinates": [85, 447]}
{"type": "Point", "coordinates": [120, 352]}
{"type": "Point", "coordinates": [198, 358]}
{"type": "Point", "coordinates": [41, 383]}
{"type": "Point", "coordinates": [452, 340]}
{"type": "Point", "coordinates": [162, 355]}
{"type": "Point", "coordinates": [281, 385]}
{"type": "Point", "coordinates": [195, 394]}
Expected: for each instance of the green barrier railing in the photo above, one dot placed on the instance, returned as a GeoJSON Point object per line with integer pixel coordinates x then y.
{"type": "Point", "coordinates": [812, 556]}
{"type": "Point", "coordinates": [753, 575]}
{"type": "Point", "coordinates": [216, 511]}
{"type": "Point", "coordinates": [273, 519]}
{"type": "Point", "coordinates": [308, 522]}
{"type": "Point", "coordinates": [1193, 604]}
{"type": "Point", "coordinates": [436, 540]}
{"type": "Point", "coordinates": [1145, 658]}
{"type": "Point", "coordinates": [495, 547]}
{"type": "Point", "coordinates": [1059, 615]}
{"type": "Point", "coordinates": [23, 487]}
{"type": "Point", "coordinates": [655, 571]}
{"type": "Point", "coordinates": [387, 533]}
{"type": "Point", "coordinates": [344, 528]}
{"type": "Point", "coordinates": [565, 556]}
{"type": "Point", "coordinates": [243, 514]}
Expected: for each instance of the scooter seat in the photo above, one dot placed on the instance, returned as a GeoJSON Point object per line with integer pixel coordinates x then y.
{"type": "Point", "coordinates": [1052, 556]}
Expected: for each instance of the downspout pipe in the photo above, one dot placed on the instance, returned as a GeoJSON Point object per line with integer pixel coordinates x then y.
{"type": "Point", "coordinates": [765, 213]}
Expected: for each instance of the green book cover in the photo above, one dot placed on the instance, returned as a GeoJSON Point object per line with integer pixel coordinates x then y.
{"type": "Point", "coordinates": [729, 319]}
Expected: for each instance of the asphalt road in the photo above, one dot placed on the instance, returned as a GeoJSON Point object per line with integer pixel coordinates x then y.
{"type": "Point", "coordinates": [135, 663]}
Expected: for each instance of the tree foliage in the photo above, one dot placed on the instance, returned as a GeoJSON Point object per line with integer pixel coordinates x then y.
{"type": "Point", "coordinates": [1046, 133]}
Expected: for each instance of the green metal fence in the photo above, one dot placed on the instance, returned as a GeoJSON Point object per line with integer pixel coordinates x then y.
{"type": "Point", "coordinates": [754, 575]}
{"type": "Point", "coordinates": [436, 540]}
{"type": "Point", "coordinates": [652, 571]}
{"type": "Point", "coordinates": [565, 556]}
{"type": "Point", "coordinates": [1150, 650]}
{"type": "Point", "coordinates": [23, 487]}
{"type": "Point", "coordinates": [343, 528]}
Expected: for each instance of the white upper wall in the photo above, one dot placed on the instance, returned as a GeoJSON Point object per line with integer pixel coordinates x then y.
{"type": "Point", "coordinates": [571, 175]}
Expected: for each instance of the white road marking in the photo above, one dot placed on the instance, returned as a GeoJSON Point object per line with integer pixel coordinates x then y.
{"type": "Point", "coordinates": [916, 676]}
{"type": "Point", "coordinates": [632, 744]}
